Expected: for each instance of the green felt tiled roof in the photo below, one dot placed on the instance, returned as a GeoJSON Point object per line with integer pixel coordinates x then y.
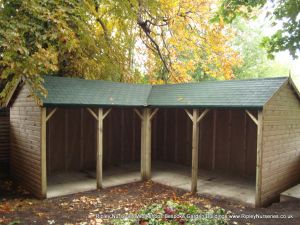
{"type": "Point", "coordinates": [207, 94]}
{"type": "Point", "coordinates": [234, 93]}
{"type": "Point", "coordinates": [74, 91]}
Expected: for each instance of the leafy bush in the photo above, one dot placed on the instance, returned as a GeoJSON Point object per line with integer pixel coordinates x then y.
{"type": "Point", "coordinates": [172, 213]}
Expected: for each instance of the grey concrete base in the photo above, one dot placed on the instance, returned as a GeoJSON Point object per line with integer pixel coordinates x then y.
{"type": "Point", "coordinates": [70, 183]}
{"type": "Point", "coordinates": [209, 183]}
{"type": "Point", "coordinates": [291, 194]}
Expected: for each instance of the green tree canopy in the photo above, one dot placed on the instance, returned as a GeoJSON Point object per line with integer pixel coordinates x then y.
{"type": "Point", "coordinates": [255, 63]}
{"type": "Point", "coordinates": [284, 13]}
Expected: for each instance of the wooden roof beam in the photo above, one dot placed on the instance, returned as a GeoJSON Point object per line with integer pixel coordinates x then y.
{"type": "Point", "coordinates": [252, 117]}
{"type": "Point", "coordinates": [51, 114]}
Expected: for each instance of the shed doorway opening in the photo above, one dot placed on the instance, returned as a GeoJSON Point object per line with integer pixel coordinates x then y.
{"type": "Point", "coordinates": [226, 157]}
{"type": "Point", "coordinates": [72, 150]}
{"type": "Point", "coordinates": [121, 147]}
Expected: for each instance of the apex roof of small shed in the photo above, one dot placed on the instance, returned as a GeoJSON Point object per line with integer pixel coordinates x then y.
{"type": "Point", "coordinates": [75, 92]}
{"type": "Point", "coordinates": [252, 93]}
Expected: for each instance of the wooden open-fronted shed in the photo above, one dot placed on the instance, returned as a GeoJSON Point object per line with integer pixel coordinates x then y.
{"type": "Point", "coordinates": [249, 128]}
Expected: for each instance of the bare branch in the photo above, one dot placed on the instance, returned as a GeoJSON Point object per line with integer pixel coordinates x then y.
{"type": "Point", "coordinates": [145, 27]}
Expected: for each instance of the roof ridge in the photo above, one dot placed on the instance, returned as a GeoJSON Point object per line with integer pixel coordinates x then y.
{"type": "Point", "coordinates": [97, 80]}
{"type": "Point", "coordinates": [223, 81]}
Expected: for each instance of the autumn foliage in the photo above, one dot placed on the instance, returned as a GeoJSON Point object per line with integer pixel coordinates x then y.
{"type": "Point", "coordinates": [121, 40]}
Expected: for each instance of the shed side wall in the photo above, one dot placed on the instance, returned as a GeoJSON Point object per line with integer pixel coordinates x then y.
{"type": "Point", "coordinates": [4, 142]}
{"type": "Point", "coordinates": [281, 141]}
{"type": "Point", "coordinates": [25, 130]}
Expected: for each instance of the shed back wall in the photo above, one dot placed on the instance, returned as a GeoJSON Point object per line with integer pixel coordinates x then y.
{"type": "Point", "coordinates": [71, 139]}
{"type": "Point", "coordinates": [230, 133]}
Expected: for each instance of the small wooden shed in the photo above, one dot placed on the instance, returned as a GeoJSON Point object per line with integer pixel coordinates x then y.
{"type": "Point", "coordinates": [253, 124]}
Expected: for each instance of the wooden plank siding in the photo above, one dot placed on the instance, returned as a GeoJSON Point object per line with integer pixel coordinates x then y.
{"type": "Point", "coordinates": [71, 139]}
{"type": "Point", "coordinates": [234, 141]}
{"type": "Point", "coordinates": [280, 144]}
{"type": "Point", "coordinates": [4, 142]}
{"type": "Point", "coordinates": [25, 128]}
{"type": "Point", "coordinates": [122, 145]}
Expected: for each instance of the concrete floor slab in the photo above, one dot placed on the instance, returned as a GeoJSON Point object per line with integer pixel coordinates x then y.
{"type": "Point", "coordinates": [70, 183]}
{"type": "Point", "coordinates": [291, 194]}
{"type": "Point", "coordinates": [209, 183]}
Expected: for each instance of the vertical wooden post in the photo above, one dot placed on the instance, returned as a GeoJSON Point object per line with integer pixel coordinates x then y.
{"type": "Point", "coordinates": [259, 159]}
{"type": "Point", "coordinates": [195, 151]}
{"type": "Point", "coordinates": [43, 152]}
{"type": "Point", "coordinates": [143, 150]}
{"type": "Point", "coordinates": [196, 119]}
{"type": "Point", "coordinates": [99, 148]}
{"type": "Point", "coordinates": [146, 118]}
{"type": "Point", "coordinates": [146, 145]}
{"type": "Point", "coordinates": [100, 116]}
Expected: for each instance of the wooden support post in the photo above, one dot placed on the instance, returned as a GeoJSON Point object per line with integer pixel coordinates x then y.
{"type": "Point", "coordinates": [196, 119]}
{"type": "Point", "coordinates": [259, 159]}
{"type": "Point", "coordinates": [146, 118]}
{"type": "Point", "coordinates": [99, 149]}
{"type": "Point", "coordinates": [43, 152]}
{"type": "Point", "coordinates": [99, 156]}
{"type": "Point", "coordinates": [146, 174]}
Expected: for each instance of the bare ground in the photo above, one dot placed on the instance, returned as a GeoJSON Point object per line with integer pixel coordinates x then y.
{"type": "Point", "coordinates": [18, 207]}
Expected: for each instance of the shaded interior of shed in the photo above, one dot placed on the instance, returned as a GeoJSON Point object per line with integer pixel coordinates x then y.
{"type": "Point", "coordinates": [71, 150]}
{"type": "Point", "coordinates": [227, 148]}
{"type": "Point", "coordinates": [227, 152]}
{"type": "Point", "coordinates": [227, 140]}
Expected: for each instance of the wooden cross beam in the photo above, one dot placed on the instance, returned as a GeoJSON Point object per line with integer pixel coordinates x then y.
{"type": "Point", "coordinates": [198, 118]}
{"type": "Point", "coordinates": [252, 117]}
{"type": "Point", "coordinates": [51, 114]}
{"type": "Point", "coordinates": [92, 113]}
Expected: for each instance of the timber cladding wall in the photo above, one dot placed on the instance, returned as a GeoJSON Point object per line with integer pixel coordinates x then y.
{"type": "Point", "coordinates": [71, 139]}
{"type": "Point", "coordinates": [280, 144]}
{"type": "Point", "coordinates": [227, 140]}
{"type": "Point", "coordinates": [25, 130]}
{"type": "Point", "coordinates": [4, 142]}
